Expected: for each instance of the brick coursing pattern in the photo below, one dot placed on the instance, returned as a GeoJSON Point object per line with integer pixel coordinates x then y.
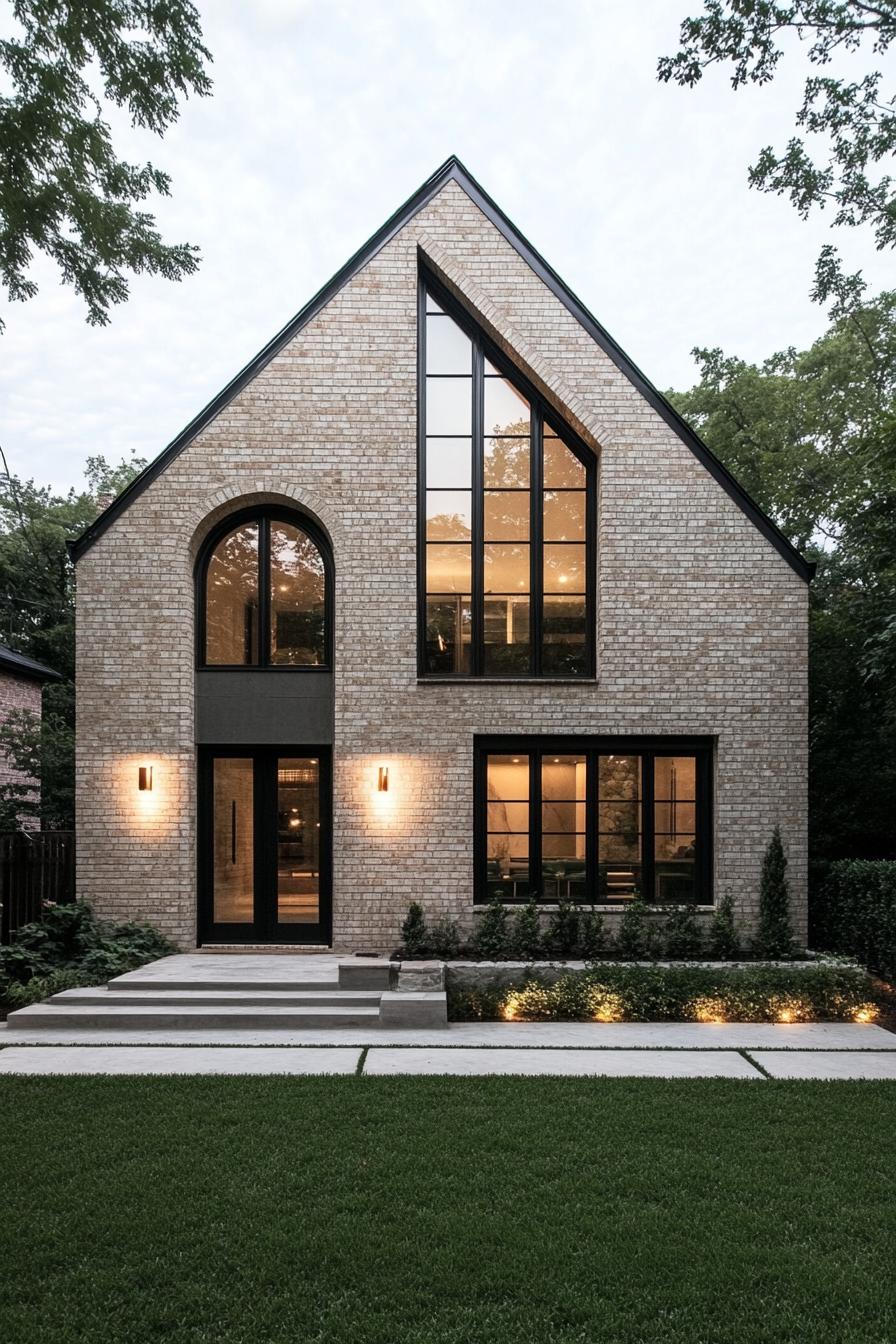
{"type": "Point", "coordinates": [702, 625]}
{"type": "Point", "coordinates": [18, 693]}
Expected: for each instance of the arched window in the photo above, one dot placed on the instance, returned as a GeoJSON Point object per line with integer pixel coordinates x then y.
{"type": "Point", "coordinates": [265, 593]}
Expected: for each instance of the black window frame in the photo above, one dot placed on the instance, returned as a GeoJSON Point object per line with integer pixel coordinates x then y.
{"type": "Point", "coordinates": [541, 413]}
{"type": "Point", "coordinates": [264, 515]}
{"type": "Point", "coordinates": [590, 746]}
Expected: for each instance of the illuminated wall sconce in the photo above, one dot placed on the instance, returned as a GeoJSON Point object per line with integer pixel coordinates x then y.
{"type": "Point", "coordinates": [382, 785]}
{"type": "Point", "coordinates": [144, 778]}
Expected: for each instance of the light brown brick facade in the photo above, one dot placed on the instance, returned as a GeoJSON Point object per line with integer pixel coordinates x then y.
{"type": "Point", "coordinates": [701, 623]}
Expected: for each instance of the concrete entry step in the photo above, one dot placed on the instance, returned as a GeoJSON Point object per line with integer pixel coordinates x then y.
{"type": "Point", "coordinates": [249, 1017]}
{"type": "Point", "coordinates": [300, 998]}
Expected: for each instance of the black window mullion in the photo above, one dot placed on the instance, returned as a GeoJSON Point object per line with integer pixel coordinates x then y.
{"type": "Point", "coordinates": [264, 593]}
{"type": "Point", "coordinates": [703, 829]}
{"type": "Point", "coordinates": [591, 576]}
{"type": "Point", "coordinates": [535, 884]}
{"type": "Point", "coordinates": [536, 549]}
{"type": "Point", "coordinates": [477, 633]}
{"type": "Point", "coordinates": [647, 819]}
{"type": "Point", "coordinates": [421, 477]}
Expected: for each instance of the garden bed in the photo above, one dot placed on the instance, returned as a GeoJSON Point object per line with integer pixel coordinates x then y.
{"type": "Point", "coordinates": [810, 991]}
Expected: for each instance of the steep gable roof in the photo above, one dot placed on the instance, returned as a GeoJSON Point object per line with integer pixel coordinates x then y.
{"type": "Point", "coordinates": [454, 171]}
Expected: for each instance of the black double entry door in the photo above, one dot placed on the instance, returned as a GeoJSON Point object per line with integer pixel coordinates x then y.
{"type": "Point", "coordinates": [265, 845]}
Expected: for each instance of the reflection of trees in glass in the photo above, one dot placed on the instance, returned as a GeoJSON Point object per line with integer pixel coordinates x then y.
{"type": "Point", "coordinates": [507, 457]}
{"type": "Point", "coordinates": [298, 595]}
{"type": "Point", "coordinates": [619, 791]}
{"type": "Point", "coordinates": [447, 527]}
{"type": "Point", "coordinates": [232, 598]}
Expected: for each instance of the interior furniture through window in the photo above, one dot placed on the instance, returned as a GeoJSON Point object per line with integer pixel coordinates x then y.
{"type": "Point", "coordinates": [596, 820]}
{"type": "Point", "coordinates": [507, 517]}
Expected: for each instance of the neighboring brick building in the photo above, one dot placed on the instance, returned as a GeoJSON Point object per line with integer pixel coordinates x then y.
{"type": "Point", "coordinates": [592, 683]}
{"type": "Point", "coordinates": [21, 687]}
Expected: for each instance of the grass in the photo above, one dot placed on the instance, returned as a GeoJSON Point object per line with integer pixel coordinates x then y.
{"type": "Point", "coordinates": [446, 1211]}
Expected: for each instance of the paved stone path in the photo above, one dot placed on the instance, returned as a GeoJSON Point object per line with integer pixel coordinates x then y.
{"type": "Point", "coordinates": [192, 1059]}
{"type": "Point", "coordinates": [606, 1063]}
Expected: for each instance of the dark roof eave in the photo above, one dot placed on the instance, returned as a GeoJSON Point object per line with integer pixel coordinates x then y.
{"type": "Point", "coordinates": [25, 667]}
{"type": "Point", "coordinates": [453, 170]}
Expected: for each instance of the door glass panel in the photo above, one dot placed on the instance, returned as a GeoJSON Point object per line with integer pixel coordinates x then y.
{"type": "Point", "coordinates": [234, 848]}
{"type": "Point", "coordinates": [298, 840]}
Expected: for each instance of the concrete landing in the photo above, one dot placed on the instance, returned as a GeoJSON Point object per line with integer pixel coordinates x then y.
{"type": "Point", "coordinates": [868, 1064]}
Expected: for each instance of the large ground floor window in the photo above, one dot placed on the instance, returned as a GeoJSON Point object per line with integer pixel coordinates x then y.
{"type": "Point", "coordinates": [595, 820]}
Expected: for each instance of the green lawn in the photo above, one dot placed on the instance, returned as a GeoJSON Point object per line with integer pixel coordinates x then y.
{"type": "Point", "coordinates": [451, 1211]}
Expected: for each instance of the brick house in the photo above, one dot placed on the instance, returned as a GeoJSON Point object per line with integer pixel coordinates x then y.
{"type": "Point", "coordinates": [438, 600]}
{"type": "Point", "coordinates": [22, 681]}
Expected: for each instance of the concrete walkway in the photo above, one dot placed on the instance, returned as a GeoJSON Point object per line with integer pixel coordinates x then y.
{"type": "Point", "coordinates": [674, 1050]}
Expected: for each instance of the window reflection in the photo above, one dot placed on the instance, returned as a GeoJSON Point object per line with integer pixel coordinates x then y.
{"type": "Point", "coordinates": [231, 610]}
{"type": "Point", "coordinates": [507, 837]}
{"type": "Point", "coordinates": [298, 598]}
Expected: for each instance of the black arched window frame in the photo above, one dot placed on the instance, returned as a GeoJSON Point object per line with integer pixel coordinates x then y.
{"type": "Point", "coordinates": [541, 414]}
{"type": "Point", "coordinates": [264, 516]}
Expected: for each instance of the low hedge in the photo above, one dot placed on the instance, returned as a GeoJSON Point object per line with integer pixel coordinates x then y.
{"type": "Point", "coordinates": [819, 993]}
{"type": "Point", "coordinates": [852, 910]}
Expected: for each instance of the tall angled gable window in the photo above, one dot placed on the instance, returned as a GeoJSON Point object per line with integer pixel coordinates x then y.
{"type": "Point", "coordinates": [507, 515]}
{"type": "Point", "coordinates": [264, 593]}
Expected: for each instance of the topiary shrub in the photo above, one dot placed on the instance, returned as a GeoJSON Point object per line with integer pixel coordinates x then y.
{"type": "Point", "coordinates": [723, 941]}
{"type": "Point", "coordinates": [525, 935]}
{"type": "Point", "coordinates": [774, 937]}
{"type": "Point", "coordinates": [562, 935]}
{"type": "Point", "coordinates": [444, 939]}
{"type": "Point", "coordinates": [636, 937]}
{"type": "Point", "coordinates": [592, 934]}
{"type": "Point", "coordinates": [682, 935]}
{"type": "Point", "coordinates": [491, 940]}
{"type": "Point", "coordinates": [414, 934]}
{"type": "Point", "coordinates": [852, 910]}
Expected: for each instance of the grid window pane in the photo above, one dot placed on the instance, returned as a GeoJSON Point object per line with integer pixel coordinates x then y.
{"type": "Point", "coordinates": [673, 818]}
{"type": "Point", "coordinates": [618, 777]}
{"type": "Point", "coordinates": [564, 515]}
{"type": "Point", "coordinates": [508, 816]}
{"type": "Point", "coordinates": [449, 406]}
{"type": "Point", "coordinates": [506, 463]}
{"type": "Point", "coordinates": [564, 569]}
{"type": "Point", "coordinates": [506, 635]}
{"type": "Point", "coordinates": [564, 630]}
{"type": "Point", "coordinates": [506, 410]}
{"type": "Point", "coordinates": [448, 349]}
{"type": "Point", "coordinates": [675, 777]}
{"type": "Point", "coordinates": [448, 630]}
{"type": "Point", "coordinates": [449, 515]}
{"type": "Point", "coordinates": [449, 464]}
{"type": "Point", "coordinates": [506, 568]}
{"type": "Point", "coordinates": [562, 469]}
{"type": "Point", "coordinates": [506, 515]}
{"type": "Point", "coordinates": [448, 568]}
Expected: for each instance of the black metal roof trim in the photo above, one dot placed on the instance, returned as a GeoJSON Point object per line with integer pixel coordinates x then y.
{"type": "Point", "coordinates": [10, 661]}
{"type": "Point", "coordinates": [453, 170]}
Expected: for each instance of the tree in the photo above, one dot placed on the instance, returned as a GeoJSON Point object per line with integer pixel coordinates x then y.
{"type": "Point", "coordinates": [63, 189]}
{"type": "Point", "coordinates": [812, 436]}
{"type": "Point", "coordinates": [854, 120]}
{"type": "Point", "coordinates": [37, 617]}
{"type": "Point", "coordinates": [774, 937]}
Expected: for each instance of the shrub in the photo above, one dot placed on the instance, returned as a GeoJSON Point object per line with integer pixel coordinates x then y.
{"type": "Point", "coordinates": [852, 910]}
{"type": "Point", "coordinates": [724, 944]}
{"type": "Point", "coordinates": [673, 994]}
{"type": "Point", "coordinates": [592, 935]}
{"type": "Point", "coordinates": [414, 933]}
{"type": "Point", "coordinates": [563, 929]}
{"type": "Point", "coordinates": [525, 935]}
{"type": "Point", "coordinates": [636, 938]}
{"type": "Point", "coordinates": [70, 937]}
{"type": "Point", "coordinates": [491, 940]}
{"type": "Point", "coordinates": [444, 939]}
{"type": "Point", "coordinates": [774, 937]}
{"type": "Point", "coordinates": [682, 935]}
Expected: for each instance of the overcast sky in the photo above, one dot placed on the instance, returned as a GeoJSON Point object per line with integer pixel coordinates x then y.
{"type": "Point", "coordinates": [326, 116]}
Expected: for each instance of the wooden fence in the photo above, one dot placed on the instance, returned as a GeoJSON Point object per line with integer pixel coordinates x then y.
{"type": "Point", "coordinates": [35, 866]}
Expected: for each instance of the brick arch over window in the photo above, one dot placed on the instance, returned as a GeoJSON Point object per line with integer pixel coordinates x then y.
{"type": "Point", "coordinates": [264, 581]}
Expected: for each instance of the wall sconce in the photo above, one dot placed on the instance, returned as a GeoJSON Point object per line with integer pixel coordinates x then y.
{"type": "Point", "coordinates": [144, 778]}
{"type": "Point", "coordinates": [382, 785]}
